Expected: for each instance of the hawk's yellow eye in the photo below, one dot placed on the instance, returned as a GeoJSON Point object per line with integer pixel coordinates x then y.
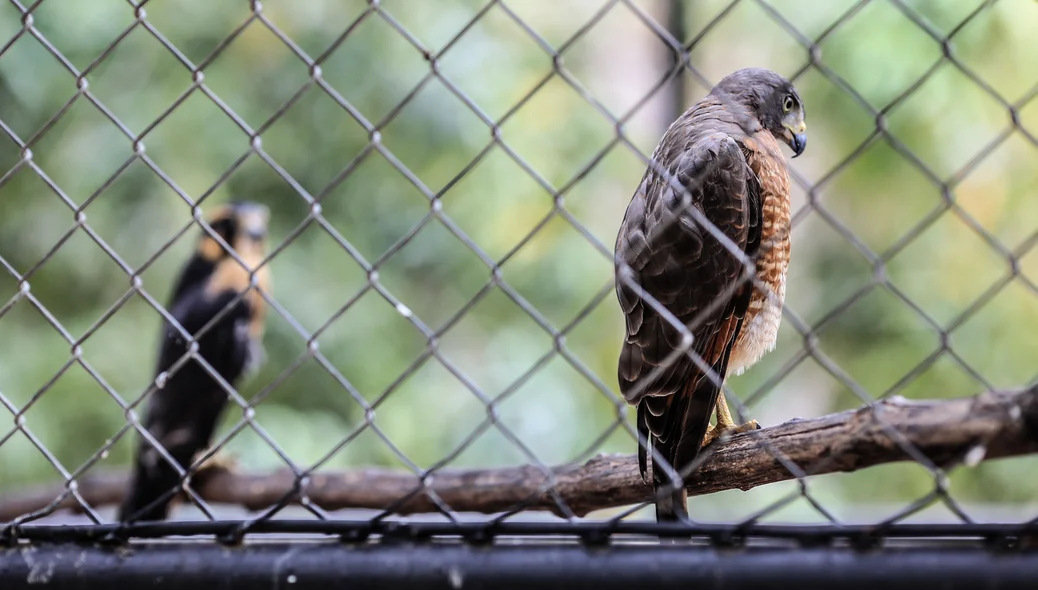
{"type": "Point", "coordinates": [787, 104]}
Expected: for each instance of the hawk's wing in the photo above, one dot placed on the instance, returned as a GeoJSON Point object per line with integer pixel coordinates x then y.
{"type": "Point", "coordinates": [690, 273]}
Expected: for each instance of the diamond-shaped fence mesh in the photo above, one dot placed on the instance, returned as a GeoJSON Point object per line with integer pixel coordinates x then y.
{"type": "Point", "coordinates": [445, 184]}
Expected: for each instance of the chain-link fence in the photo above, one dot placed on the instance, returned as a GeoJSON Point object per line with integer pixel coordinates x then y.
{"type": "Point", "coordinates": [445, 183]}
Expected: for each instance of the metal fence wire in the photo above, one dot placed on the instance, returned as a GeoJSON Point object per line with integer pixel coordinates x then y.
{"type": "Point", "coordinates": [469, 164]}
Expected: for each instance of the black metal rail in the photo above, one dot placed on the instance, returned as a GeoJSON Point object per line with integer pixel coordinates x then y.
{"type": "Point", "coordinates": [433, 566]}
{"type": "Point", "coordinates": [589, 532]}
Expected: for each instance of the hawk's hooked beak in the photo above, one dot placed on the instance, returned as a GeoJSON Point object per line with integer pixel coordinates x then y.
{"type": "Point", "coordinates": [796, 135]}
{"type": "Point", "coordinates": [799, 143]}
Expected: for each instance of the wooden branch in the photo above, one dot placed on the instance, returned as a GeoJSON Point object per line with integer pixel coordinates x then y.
{"type": "Point", "coordinates": [946, 432]}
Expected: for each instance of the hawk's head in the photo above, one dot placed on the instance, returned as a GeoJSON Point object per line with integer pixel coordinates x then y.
{"type": "Point", "coordinates": [772, 99]}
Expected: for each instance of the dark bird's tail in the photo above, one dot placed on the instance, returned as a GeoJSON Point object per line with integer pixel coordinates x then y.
{"type": "Point", "coordinates": [151, 490]}
{"type": "Point", "coordinates": [183, 425]}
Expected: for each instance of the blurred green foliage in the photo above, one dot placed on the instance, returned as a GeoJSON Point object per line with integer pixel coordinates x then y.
{"type": "Point", "coordinates": [871, 201]}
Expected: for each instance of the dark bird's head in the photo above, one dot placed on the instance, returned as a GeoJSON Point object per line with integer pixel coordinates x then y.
{"type": "Point", "coordinates": [772, 99]}
{"type": "Point", "coordinates": [242, 225]}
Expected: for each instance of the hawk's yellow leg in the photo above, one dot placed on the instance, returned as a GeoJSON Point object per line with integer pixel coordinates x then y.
{"type": "Point", "coordinates": [725, 423]}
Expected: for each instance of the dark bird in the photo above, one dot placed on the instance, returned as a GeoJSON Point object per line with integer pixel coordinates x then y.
{"type": "Point", "coordinates": [719, 160]}
{"type": "Point", "coordinates": [183, 411]}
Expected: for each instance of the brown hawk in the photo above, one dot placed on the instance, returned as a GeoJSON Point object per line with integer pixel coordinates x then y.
{"type": "Point", "coordinates": [717, 165]}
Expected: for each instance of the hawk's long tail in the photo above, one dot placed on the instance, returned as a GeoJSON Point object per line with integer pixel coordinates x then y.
{"type": "Point", "coordinates": [694, 410]}
{"type": "Point", "coordinates": [690, 419]}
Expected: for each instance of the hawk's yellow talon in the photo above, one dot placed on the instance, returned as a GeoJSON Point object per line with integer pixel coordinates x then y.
{"type": "Point", "coordinates": [725, 423]}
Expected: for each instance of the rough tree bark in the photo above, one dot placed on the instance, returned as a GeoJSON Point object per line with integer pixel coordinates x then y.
{"type": "Point", "coordinates": [945, 432]}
